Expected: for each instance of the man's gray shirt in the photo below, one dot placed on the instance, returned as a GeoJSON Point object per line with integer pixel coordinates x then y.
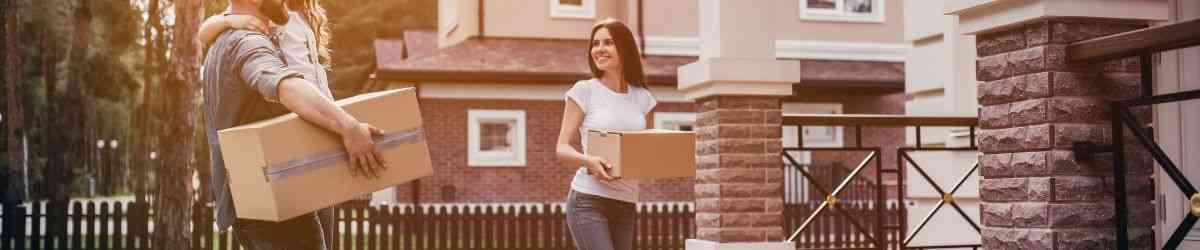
{"type": "Point", "coordinates": [240, 78]}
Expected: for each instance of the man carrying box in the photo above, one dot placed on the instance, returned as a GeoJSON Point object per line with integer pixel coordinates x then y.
{"type": "Point", "coordinates": [244, 80]}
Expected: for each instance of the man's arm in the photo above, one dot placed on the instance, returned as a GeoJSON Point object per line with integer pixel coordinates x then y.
{"type": "Point", "coordinates": [266, 74]}
{"type": "Point", "coordinates": [300, 97]}
{"type": "Point", "coordinates": [212, 27]}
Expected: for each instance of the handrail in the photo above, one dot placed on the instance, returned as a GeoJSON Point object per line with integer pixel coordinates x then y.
{"type": "Point", "coordinates": [1149, 40]}
{"type": "Point", "coordinates": [880, 120]}
{"type": "Point", "coordinates": [1143, 43]}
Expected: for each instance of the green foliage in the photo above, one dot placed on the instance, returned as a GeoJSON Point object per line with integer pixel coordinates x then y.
{"type": "Point", "coordinates": [356, 24]}
{"type": "Point", "coordinates": [105, 72]}
{"type": "Point", "coordinates": [112, 69]}
{"type": "Point", "coordinates": [215, 7]}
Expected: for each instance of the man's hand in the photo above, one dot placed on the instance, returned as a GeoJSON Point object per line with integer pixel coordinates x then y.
{"type": "Point", "coordinates": [365, 158]}
{"type": "Point", "coordinates": [302, 97]}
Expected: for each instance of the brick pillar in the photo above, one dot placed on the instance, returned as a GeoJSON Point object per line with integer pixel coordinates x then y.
{"type": "Point", "coordinates": [1035, 107]}
{"type": "Point", "coordinates": [739, 188]}
{"type": "Point", "coordinates": [738, 83]}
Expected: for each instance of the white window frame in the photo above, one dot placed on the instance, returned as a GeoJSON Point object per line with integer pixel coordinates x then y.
{"type": "Point", "coordinates": [840, 14]}
{"type": "Point", "coordinates": [586, 11]}
{"type": "Point", "coordinates": [662, 118]}
{"type": "Point", "coordinates": [477, 158]}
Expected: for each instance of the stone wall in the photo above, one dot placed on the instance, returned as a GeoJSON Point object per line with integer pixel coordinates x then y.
{"type": "Point", "coordinates": [1035, 107]}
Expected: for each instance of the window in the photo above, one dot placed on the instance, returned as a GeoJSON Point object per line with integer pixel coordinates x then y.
{"type": "Point", "coordinates": [814, 136]}
{"type": "Point", "coordinates": [675, 121]}
{"type": "Point", "coordinates": [573, 8]}
{"type": "Point", "coordinates": [496, 138]}
{"type": "Point", "coordinates": [842, 10]}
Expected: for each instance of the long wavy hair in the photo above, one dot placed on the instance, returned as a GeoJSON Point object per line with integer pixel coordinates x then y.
{"type": "Point", "coordinates": [631, 59]}
{"type": "Point", "coordinates": [314, 16]}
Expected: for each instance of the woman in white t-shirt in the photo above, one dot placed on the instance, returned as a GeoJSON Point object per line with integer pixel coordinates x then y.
{"type": "Point", "coordinates": [601, 208]}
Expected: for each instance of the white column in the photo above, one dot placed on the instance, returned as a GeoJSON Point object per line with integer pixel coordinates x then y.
{"type": "Point", "coordinates": [737, 53]}
{"type": "Point", "coordinates": [737, 65]}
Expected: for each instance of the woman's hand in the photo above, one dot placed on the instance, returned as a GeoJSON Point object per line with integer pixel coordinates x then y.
{"type": "Point", "coordinates": [601, 166]}
{"type": "Point", "coordinates": [246, 22]}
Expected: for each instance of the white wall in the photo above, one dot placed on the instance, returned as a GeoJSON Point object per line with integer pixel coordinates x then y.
{"type": "Point", "coordinates": [937, 87]}
{"type": "Point", "coordinates": [457, 21]}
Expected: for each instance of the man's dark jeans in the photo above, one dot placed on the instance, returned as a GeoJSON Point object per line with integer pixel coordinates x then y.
{"type": "Point", "coordinates": [300, 233]}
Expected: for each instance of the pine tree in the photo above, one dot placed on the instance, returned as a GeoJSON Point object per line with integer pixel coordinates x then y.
{"type": "Point", "coordinates": [174, 199]}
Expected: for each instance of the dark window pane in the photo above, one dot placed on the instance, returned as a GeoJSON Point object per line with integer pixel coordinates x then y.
{"type": "Point", "coordinates": [822, 4]}
{"type": "Point", "coordinates": [571, 2]}
{"type": "Point", "coordinates": [493, 136]}
{"type": "Point", "coordinates": [859, 6]}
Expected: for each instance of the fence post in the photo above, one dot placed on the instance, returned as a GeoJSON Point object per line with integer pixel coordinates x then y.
{"type": "Point", "coordinates": [91, 219]}
{"type": "Point", "coordinates": [394, 216]}
{"type": "Point", "coordinates": [14, 227]}
{"type": "Point", "coordinates": [104, 222]}
{"type": "Point", "coordinates": [119, 226]}
{"type": "Point", "coordinates": [35, 235]}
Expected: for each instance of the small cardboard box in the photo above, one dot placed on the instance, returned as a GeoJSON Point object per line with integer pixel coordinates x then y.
{"type": "Point", "coordinates": [647, 153]}
{"type": "Point", "coordinates": [284, 167]}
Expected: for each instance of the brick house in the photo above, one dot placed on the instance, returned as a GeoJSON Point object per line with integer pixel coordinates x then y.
{"type": "Point", "coordinates": [491, 80]}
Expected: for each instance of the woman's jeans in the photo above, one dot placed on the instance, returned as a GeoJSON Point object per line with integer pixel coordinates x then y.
{"type": "Point", "coordinates": [599, 223]}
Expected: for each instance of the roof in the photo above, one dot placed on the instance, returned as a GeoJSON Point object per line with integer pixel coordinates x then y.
{"type": "Point", "coordinates": [527, 60]}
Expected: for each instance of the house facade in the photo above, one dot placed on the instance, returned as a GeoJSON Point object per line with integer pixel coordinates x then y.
{"type": "Point", "coordinates": [491, 80]}
{"type": "Point", "coordinates": [492, 75]}
{"type": "Point", "coordinates": [1038, 103]}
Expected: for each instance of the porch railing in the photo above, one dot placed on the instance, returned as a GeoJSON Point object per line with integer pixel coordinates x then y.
{"type": "Point", "coordinates": [1143, 44]}
{"type": "Point", "coordinates": [876, 223]}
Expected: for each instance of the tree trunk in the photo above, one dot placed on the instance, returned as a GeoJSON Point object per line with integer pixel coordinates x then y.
{"type": "Point", "coordinates": [141, 132]}
{"type": "Point", "coordinates": [173, 203]}
{"type": "Point", "coordinates": [72, 106]}
{"type": "Point", "coordinates": [57, 190]}
{"type": "Point", "coordinates": [15, 119]}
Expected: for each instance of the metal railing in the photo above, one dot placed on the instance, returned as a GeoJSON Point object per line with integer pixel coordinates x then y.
{"type": "Point", "coordinates": [877, 230]}
{"type": "Point", "coordinates": [1144, 44]}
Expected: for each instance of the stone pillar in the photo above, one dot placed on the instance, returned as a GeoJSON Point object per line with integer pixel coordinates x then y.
{"type": "Point", "coordinates": [1036, 106]}
{"type": "Point", "coordinates": [738, 83]}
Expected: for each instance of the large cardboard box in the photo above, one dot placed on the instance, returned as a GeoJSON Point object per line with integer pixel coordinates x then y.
{"type": "Point", "coordinates": [646, 153]}
{"type": "Point", "coordinates": [284, 167]}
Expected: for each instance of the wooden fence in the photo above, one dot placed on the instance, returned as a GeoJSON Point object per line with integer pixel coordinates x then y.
{"type": "Point", "coordinates": [832, 230]}
{"type": "Point", "coordinates": [125, 225]}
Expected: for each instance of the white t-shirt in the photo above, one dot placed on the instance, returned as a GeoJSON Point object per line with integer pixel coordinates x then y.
{"type": "Point", "coordinates": [605, 109]}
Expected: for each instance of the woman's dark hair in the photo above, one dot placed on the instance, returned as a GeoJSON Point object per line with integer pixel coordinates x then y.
{"type": "Point", "coordinates": [631, 60]}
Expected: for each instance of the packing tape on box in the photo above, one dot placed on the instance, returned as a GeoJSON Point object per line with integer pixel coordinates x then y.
{"type": "Point", "coordinates": [324, 159]}
{"type": "Point", "coordinates": [604, 133]}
